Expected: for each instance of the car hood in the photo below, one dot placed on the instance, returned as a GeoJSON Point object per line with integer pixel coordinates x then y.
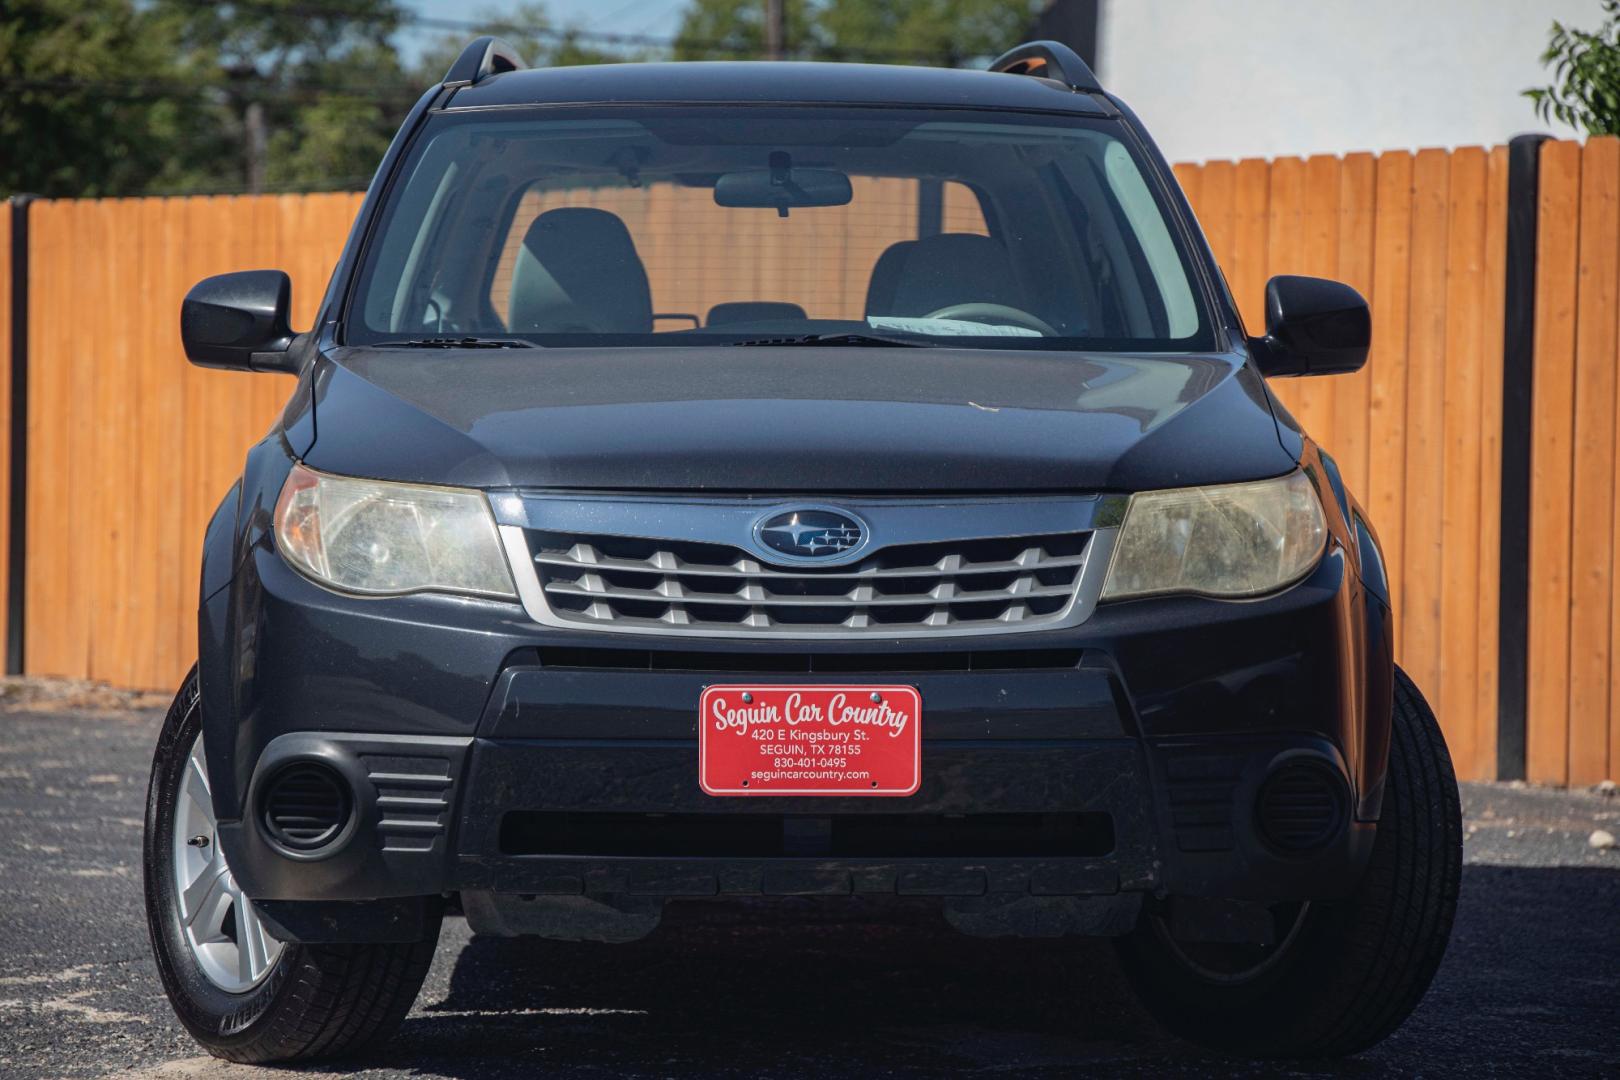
{"type": "Point", "coordinates": [793, 419]}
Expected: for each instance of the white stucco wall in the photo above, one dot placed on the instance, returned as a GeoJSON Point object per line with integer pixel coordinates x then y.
{"type": "Point", "coordinates": [1247, 78]}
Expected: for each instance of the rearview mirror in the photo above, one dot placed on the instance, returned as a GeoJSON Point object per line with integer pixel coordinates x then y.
{"type": "Point", "coordinates": [783, 187]}
{"type": "Point", "coordinates": [1313, 327]}
{"type": "Point", "coordinates": [239, 322]}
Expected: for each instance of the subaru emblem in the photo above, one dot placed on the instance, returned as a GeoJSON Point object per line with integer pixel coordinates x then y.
{"type": "Point", "coordinates": [809, 534]}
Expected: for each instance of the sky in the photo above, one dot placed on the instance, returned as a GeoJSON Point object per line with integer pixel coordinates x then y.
{"type": "Point", "coordinates": [655, 18]}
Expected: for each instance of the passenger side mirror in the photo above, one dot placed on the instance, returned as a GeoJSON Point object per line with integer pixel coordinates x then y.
{"type": "Point", "coordinates": [1313, 327]}
{"type": "Point", "coordinates": [239, 322]}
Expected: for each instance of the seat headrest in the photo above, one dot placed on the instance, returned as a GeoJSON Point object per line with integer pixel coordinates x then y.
{"type": "Point", "coordinates": [578, 271]}
{"type": "Point", "coordinates": [746, 311]}
{"type": "Point", "coordinates": [938, 271]}
{"type": "Point", "coordinates": [886, 277]}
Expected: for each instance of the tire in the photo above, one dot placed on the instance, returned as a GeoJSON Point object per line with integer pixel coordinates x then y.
{"type": "Point", "coordinates": [280, 1001]}
{"type": "Point", "coordinates": [1344, 974]}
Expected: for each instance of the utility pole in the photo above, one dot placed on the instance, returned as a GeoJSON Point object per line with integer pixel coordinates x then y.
{"type": "Point", "coordinates": [773, 29]}
{"type": "Point", "coordinates": [256, 139]}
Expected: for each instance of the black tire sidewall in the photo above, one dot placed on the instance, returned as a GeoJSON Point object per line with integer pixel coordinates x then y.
{"type": "Point", "coordinates": [216, 1018]}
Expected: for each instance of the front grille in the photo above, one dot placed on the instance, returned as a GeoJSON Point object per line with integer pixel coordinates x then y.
{"type": "Point", "coordinates": [621, 582]}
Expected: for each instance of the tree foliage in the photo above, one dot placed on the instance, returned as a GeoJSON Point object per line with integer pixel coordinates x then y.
{"type": "Point", "coordinates": [891, 31]}
{"type": "Point", "coordinates": [85, 105]}
{"type": "Point", "coordinates": [306, 95]}
{"type": "Point", "coordinates": [1585, 92]}
{"type": "Point", "coordinates": [130, 97]}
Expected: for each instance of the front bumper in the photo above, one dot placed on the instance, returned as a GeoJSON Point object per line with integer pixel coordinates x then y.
{"type": "Point", "coordinates": [1112, 761]}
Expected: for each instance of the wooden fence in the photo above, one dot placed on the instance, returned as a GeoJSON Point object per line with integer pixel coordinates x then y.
{"type": "Point", "coordinates": [130, 448]}
{"type": "Point", "coordinates": [1573, 714]}
{"type": "Point", "coordinates": [1416, 433]}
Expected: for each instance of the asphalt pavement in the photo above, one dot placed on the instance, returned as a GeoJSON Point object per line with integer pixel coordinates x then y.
{"type": "Point", "coordinates": [1530, 986]}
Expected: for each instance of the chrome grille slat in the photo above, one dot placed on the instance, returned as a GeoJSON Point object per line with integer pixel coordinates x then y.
{"type": "Point", "coordinates": [629, 583]}
{"type": "Point", "coordinates": [755, 569]}
{"type": "Point", "coordinates": [564, 588]}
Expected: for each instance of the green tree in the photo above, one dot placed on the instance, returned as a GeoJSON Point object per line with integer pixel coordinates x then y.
{"type": "Point", "coordinates": [897, 31]}
{"type": "Point", "coordinates": [1585, 92]}
{"type": "Point", "coordinates": [308, 95]}
{"type": "Point", "coordinates": [735, 29]}
{"type": "Point", "coordinates": [956, 31]}
{"type": "Point", "coordinates": [528, 28]}
{"type": "Point", "coordinates": [86, 98]}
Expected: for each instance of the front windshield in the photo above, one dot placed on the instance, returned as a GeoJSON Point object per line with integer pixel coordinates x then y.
{"type": "Point", "coordinates": [732, 225]}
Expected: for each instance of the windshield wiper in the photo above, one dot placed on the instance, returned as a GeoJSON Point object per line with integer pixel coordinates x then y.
{"type": "Point", "coordinates": [846, 340]}
{"type": "Point", "coordinates": [458, 343]}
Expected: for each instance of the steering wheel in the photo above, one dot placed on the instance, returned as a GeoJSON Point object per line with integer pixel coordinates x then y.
{"type": "Point", "coordinates": [981, 311]}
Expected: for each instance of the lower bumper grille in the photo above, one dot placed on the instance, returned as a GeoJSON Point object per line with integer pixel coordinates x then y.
{"type": "Point", "coordinates": [887, 836]}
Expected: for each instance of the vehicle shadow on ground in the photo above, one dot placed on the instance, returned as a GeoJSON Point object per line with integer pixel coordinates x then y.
{"type": "Point", "coordinates": [807, 991]}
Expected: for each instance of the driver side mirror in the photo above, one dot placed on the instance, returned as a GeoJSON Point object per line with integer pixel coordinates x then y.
{"type": "Point", "coordinates": [1313, 327]}
{"type": "Point", "coordinates": [239, 322]}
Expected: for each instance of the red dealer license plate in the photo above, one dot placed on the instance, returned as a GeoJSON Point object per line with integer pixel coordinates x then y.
{"type": "Point", "coordinates": [810, 740]}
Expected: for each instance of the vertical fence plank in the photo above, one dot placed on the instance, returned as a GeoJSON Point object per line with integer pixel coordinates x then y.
{"type": "Point", "coordinates": [1422, 547]}
{"type": "Point", "coordinates": [1458, 536]}
{"type": "Point", "coordinates": [5, 419]}
{"type": "Point", "coordinates": [1551, 464]}
{"type": "Point", "coordinates": [1283, 253]}
{"type": "Point", "coordinates": [1490, 464]}
{"type": "Point", "coordinates": [1319, 257]}
{"type": "Point", "coordinates": [1358, 208]}
{"type": "Point", "coordinates": [1190, 177]}
{"type": "Point", "coordinates": [165, 366]}
{"type": "Point", "coordinates": [1251, 229]}
{"type": "Point", "coordinates": [181, 599]}
{"type": "Point", "coordinates": [1217, 190]}
{"type": "Point", "coordinates": [112, 625]}
{"type": "Point", "coordinates": [44, 266]}
{"type": "Point", "coordinates": [1591, 515]}
{"type": "Point", "coordinates": [1386, 420]}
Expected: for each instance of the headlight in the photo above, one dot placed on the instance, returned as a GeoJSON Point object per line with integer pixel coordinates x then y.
{"type": "Point", "coordinates": [368, 536]}
{"type": "Point", "coordinates": [1233, 540]}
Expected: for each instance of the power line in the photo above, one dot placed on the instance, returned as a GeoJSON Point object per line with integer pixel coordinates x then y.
{"type": "Point", "coordinates": [574, 34]}
{"type": "Point", "coordinates": [152, 88]}
{"type": "Point", "coordinates": [615, 13]}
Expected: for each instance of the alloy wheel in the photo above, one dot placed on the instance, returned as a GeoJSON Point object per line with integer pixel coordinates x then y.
{"type": "Point", "coordinates": [220, 925]}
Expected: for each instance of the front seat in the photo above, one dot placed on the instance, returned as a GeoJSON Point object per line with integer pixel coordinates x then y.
{"type": "Point", "coordinates": [578, 272]}
{"type": "Point", "coordinates": [915, 277]}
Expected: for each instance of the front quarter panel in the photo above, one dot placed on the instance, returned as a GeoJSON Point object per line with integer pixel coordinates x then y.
{"type": "Point", "coordinates": [222, 667]}
{"type": "Point", "coordinates": [1370, 636]}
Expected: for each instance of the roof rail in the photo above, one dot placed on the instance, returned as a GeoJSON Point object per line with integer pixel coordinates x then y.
{"type": "Point", "coordinates": [482, 58]}
{"type": "Point", "coordinates": [1049, 60]}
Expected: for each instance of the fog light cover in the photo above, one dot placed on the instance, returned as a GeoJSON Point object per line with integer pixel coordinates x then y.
{"type": "Point", "coordinates": [306, 806]}
{"type": "Point", "coordinates": [1302, 807]}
